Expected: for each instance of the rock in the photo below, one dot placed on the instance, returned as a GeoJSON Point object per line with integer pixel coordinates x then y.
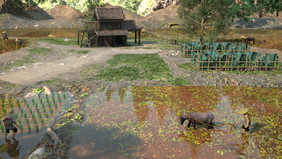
{"type": "Point", "coordinates": [47, 90]}
{"type": "Point", "coordinates": [53, 135]}
{"type": "Point", "coordinates": [36, 154]}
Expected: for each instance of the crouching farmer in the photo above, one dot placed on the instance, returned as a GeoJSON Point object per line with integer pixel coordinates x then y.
{"type": "Point", "coordinates": [198, 118]}
{"type": "Point", "coordinates": [19, 42]}
{"type": "Point", "coordinates": [4, 35]}
{"type": "Point", "coordinates": [9, 122]}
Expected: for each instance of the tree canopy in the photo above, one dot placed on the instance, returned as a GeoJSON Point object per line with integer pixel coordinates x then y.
{"type": "Point", "coordinates": [208, 18]}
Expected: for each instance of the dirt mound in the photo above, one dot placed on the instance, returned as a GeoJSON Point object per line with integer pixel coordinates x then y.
{"type": "Point", "coordinates": [39, 14]}
{"type": "Point", "coordinates": [166, 14]}
{"type": "Point", "coordinates": [127, 14]}
{"type": "Point", "coordinates": [64, 12]}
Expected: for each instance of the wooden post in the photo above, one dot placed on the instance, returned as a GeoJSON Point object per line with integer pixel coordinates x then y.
{"type": "Point", "coordinates": [77, 37]}
{"type": "Point", "coordinates": [135, 37]}
{"type": "Point", "coordinates": [82, 39]}
{"type": "Point", "coordinates": [139, 37]}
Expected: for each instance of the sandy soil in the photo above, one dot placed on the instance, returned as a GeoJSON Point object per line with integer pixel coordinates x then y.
{"type": "Point", "coordinates": [58, 62]}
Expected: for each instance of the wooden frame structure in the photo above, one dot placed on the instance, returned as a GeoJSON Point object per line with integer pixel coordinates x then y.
{"type": "Point", "coordinates": [246, 65]}
{"type": "Point", "coordinates": [110, 29]}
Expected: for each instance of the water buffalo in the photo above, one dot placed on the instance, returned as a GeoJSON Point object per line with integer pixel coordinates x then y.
{"type": "Point", "coordinates": [198, 118]}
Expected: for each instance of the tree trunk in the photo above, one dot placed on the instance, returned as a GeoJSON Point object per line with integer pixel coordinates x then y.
{"type": "Point", "coordinates": [5, 5]}
{"type": "Point", "coordinates": [260, 14]}
{"type": "Point", "coordinates": [202, 30]}
{"type": "Point", "coordinates": [277, 13]}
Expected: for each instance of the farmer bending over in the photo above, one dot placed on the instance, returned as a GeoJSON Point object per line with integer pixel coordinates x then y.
{"type": "Point", "coordinates": [9, 122]}
{"type": "Point", "coordinates": [19, 42]}
{"type": "Point", "coordinates": [247, 123]}
{"type": "Point", "coordinates": [5, 35]}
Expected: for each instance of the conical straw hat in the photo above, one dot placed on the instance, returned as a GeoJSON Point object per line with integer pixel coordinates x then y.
{"type": "Point", "coordinates": [243, 111]}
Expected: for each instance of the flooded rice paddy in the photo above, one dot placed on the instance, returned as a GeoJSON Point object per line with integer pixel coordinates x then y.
{"type": "Point", "coordinates": [33, 115]}
{"type": "Point", "coordinates": [143, 122]}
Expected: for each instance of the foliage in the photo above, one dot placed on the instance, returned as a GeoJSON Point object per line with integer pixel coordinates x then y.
{"type": "Point", "coordinates": [38, 90]}
{"type": "Point", "coordinates": [215, 15]}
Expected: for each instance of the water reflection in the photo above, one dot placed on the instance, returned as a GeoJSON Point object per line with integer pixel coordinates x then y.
{"type": "Point", "coordinates": [150, 115]}
{"type": "Point", "coordinates": [12, 148]}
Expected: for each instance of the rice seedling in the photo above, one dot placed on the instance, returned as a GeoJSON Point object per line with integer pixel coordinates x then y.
{"type": "Point", "coordinates": [42, 121]}
{"type": "Point", "coordinates": [33, 101]}
{"type": "Point", "coordinates": [18, 103]}
{"type": "Point", "coordinates": [33, 116]}
{"type": "Point", "coordinates": [49, 104]}
{"type": "Point", "coordinates": [37, 110]}
{"type": "Point", "coordinates": [12, 106]}
{"type": "Point", "coordinates": [3, 100]}
{"type": "Point", "coordinates": [40, 116]}
{"type": "Point", "coordinates": [44, 110]}
{"type": "Point", "coordinates": [39, 94]}
{"type": "Point", "coordinates": [24, 101]}
{"type": "Point", "coordinates": [56, 105]}
{"type": "Point", "coordinates": [3, 105]}
{"type": "Point", "coordinates": [27, 121]}
{"type": "Point", "coordinates": [47, 116]}
{"type": "Point", "coordinates": [19, 121]}
{"type": "Point", "coordinates": [13, 110]}
{"type": "Point", "coordinates": [53, 99]}
{"type": "Point", "coordinates": [51, 110]}
{"type": "Point", "coordinates": [25, 116]}
{"type": "Point", "coordinates": [27, 105]}
{"type": "Point", "coordinates": [21, 127]}
{"type": "Point", "coordinates": [36, 127]}
{"type": "Point", "coordinates": [46, 97]}
{"type": "Point", "coordinates": [34, 121]}
{"type": "Point", "coordinates": [28, 127]}
{"type": "Point", "coordinates": [36, 105]}
{"type": "Point", "coordinates": [4, 110]}
{"type": "Point", "coordinates": [43, 105]}
{"type": "Point", "coordinates": [9, 101]}
{"type": "Point", "coordinates": [16, 115]}
{"type": "Point", "coordinates": [41, 101]}
{"type": "Point", "coordinates": [30, 110]}
{"type": "Point", "coordinates": [52, 95]}
{"type": "Point", "coordinates": [59, 98]}
{"type": "Point", "coordinates": [21, 110]}
{"type": "Point", "coordinates": [64, 95]}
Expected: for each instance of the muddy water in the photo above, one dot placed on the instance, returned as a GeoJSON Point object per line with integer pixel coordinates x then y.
{"type": "Point", "coordinates": [143, 122]}
{"type": "Point", "coordinates": [33, 116]}
{"type": "Point", "coordinates": [9, 45]}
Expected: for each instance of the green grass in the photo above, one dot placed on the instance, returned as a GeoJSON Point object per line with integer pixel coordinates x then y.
{"type": "Point", "coordinates": [133, 67]}
{"type": "Point", "coordinates": [52, 81]}
{"type": "Point", "coordinates": [61, 41]}
{"type": "Point", "coordinates": [39, 51]}
{"type": "Point", "coordinates": [83, 52]}
{"type": "Point", "coordinates": [179, 82]}
{"type": "Point", "coordinates": [72, 51]}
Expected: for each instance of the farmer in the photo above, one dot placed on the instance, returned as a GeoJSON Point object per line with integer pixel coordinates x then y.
{"type": "Point", "coordinates": [19, 42]}
{"type": "Point", "coordinates": [9, 122]}
{"type": "Point", "coordinates": [247, 122]}
{"type": "Point", "coordinates": [5, 35]}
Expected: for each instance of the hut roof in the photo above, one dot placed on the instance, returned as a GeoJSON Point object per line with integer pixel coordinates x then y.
{"type": "Point", "coordinates": [109, 14]}
{"type": "Point", "coordinates": [112, 32]}
{"type": "Point", "coordinates": [130, 25]}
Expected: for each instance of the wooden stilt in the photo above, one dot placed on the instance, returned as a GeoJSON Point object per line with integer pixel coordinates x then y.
{"type": "Point", "coordinates": [139, 37]}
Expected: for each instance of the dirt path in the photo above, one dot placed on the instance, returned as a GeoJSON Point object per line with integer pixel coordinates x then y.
{"type": "Point", "coordinates": [59, 61]}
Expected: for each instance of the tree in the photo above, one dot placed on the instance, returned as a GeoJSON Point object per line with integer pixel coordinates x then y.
{"type": "Point", "coordinates": [211, 17]}
{"type": "Point", "coordinates": [275, 6]}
